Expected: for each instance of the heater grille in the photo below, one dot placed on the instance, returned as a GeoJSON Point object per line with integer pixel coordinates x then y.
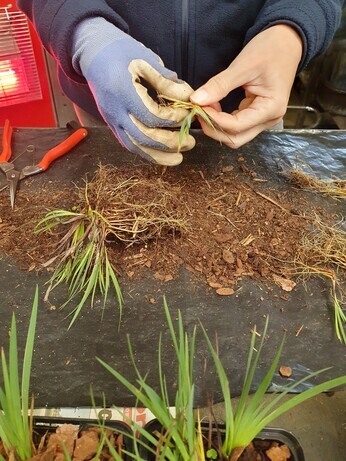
{"type": "Point", "coordinates": [19, 79]}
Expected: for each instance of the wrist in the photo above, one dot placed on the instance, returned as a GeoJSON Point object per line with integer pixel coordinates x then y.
{"type": "Point", "coordinates": [90, 37]}
{"type": "Point", "coordinates": [291, 38]}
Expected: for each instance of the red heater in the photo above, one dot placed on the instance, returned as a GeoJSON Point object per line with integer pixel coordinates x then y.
{"type": "Point", "coordinates": [25, 96]}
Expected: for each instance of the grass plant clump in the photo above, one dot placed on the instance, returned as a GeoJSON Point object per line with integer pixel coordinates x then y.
{"type": "Point", "coordinates": [325, 244]}
{"type": "Point", "coordinates": [112, 209]}
{"type": "Point", "coordinates": [15, 424]}
{"type": "Point", "coordinates": [180, 438]}
{"type": "Point", "coordinates": [252, 413]}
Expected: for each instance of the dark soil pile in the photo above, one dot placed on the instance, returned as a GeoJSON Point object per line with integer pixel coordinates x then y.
{"type": "Point", "coordinates": [230, 225]}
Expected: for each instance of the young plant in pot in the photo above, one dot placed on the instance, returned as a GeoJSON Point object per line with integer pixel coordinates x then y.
{"type": "Point", "coordinates": [183, 437]}
{"type": "Point", "coordinates": [24, 437]}
{"type": "Point", "coordinates": [245, 421]}
{"type": "Point", "coordinates": [15, 427]}
{"type": "Point", "coordinates": [175, 435]}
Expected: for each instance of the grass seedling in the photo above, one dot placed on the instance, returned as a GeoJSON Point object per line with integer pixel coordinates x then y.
{"type": "Point", "coordinates": [83, 262]}
{"type": "Point", "coordinates": [252, 414]}
{"type": "Point", "coordinates": [179, 439]}
{"type": "Point", "coordinates": [15, 426]}
{"type": "Point", "coordinates": [194, 111]}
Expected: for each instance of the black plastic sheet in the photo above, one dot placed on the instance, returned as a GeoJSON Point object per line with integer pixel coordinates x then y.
{"type": "Point", "coordinates": [65, 362]}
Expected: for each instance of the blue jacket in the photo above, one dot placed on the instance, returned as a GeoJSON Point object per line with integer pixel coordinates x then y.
{"type": "Point", "coordinates": [196, 38]}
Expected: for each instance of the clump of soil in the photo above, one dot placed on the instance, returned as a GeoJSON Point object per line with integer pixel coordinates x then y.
{"type": "Point", "coordinates": [266, 450]}
{"type": "Point", "coordinates": [81, 445]}
{"type": "Point", "coordinates": [220, 227]}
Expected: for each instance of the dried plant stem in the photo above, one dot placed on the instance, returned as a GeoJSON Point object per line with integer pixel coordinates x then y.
{"type": "Point", "coordinates": [323, 253]}
{"type": "Point", "coordinates": [334, 188]}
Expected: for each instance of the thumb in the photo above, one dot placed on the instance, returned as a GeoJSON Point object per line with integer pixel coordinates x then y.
{"type": "Point", "coordinates": [218, 87]}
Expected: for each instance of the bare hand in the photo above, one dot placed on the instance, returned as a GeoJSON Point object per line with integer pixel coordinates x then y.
{"type": "Point", "coordinates": [266, 69]}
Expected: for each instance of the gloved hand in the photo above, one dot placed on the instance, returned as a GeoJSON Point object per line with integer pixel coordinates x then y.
{"type": "Point", "coordinates": [114, 65]}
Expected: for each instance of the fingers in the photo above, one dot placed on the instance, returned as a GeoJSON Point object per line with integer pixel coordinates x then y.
{"type": "Point", "coordinates": [154, 144]}
{"type": "Point", "coordinates": [156, 156]}
{"type": "Point", "coordinates": [161, 115]}
{"type": "Point", "coordinates": [160, 78]}
{"type": "Point", "coordinates": [161, 139]}
{"type": "Point", "coordinates": [235, 140]}
{"type": "Point", "coordinates": [148, 153]}
{"type": "Point", "coordinates": [252, 113]}
{"type": "Point", "coordinates": [219, 86]}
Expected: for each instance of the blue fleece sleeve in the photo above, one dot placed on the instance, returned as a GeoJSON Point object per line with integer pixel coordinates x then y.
{"type": "Point", "coordinates": [315, 20]}
{"type": "Point", "coordinates": [56, 20]}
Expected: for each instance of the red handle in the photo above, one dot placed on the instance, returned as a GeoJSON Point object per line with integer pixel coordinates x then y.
{"type": "Point", "coordinates": [63, 148]}
{"type": "Point", "coordinates": [6, 142]}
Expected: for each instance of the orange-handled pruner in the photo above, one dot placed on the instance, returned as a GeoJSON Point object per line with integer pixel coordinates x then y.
{"type": "Point", "coordinates": [6, 142]}
{"type": "Point", "coordinates": [14, 176]}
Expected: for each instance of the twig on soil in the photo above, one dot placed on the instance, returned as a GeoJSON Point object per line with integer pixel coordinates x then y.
{"type": "Point", "coordinates": [203, 177]}
{"type": "Point", "coordinates": [238, 199]}
{"type": "Point", "coordinates": [274, 202]}
{"type": "Point", "coordinates": [300, 329]}
{"type": "Point", "coordinates": [220, 197]}
{"type": "Point", "coordinates": [223, 216]}
{"type": "Point", "coordinates": [247, 240]}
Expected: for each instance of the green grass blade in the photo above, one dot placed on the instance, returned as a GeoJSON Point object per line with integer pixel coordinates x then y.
{"type": "Point", "coordinates": [226, 393]}
{"type": "Point", "coordinates": [248, 414]}
{"type": "Point", "coordinates": [15, 432]}
{"type": "Point", "coordinates": [339, 320]}
{"type": "Point", "coordinates": [300, 398]}
{"type": "Point", "coordinates": [13, 394]}
{"type": "Point", "coordinates": [26, 373]}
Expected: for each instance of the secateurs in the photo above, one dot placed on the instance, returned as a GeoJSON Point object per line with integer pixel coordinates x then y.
{"type": "Point", "coordinates": [12, 177]}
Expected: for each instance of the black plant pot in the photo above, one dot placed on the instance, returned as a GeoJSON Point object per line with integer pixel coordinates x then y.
{"type": "Point", "coordinates": [281, 436]}
{"type": "Point", "coordinates": [44, 424]}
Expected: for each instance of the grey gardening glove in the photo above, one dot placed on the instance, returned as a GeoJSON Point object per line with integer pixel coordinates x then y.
{"type": "Point", "coordinates": [114, 64]}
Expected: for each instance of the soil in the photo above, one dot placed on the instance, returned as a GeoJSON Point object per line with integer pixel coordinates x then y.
{"type": "Point", "coordinates": [234, 226]}
{"type": "Point", "coordinates": [82, 445]}
{"type": "Point", "coordinates": [257, 450]}
{"type": "Point", "coordinates": [266, 450]}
